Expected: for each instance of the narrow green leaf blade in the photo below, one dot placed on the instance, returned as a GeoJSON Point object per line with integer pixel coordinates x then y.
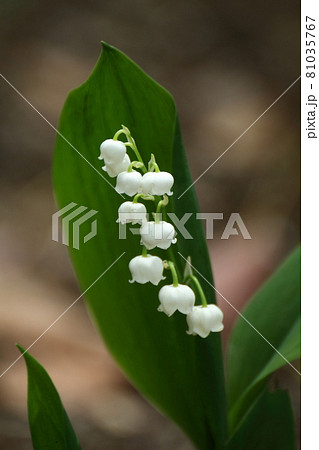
{"type": "Point", "coordinates": [269, 424]}
{"type": "Point", "coordinates": [49, 424]}
{"type": "Point", "coordinates": [275, 312]}
{"type": "Point", "coordinates": [290, 348]}
{"type": "Point", "coordinates": [154, 351]}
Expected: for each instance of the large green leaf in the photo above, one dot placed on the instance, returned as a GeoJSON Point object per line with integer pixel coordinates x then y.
{"type": "Point", "coordinates": [49, 424]}
{"type": "Point", "coordinates": [269, 424]}
{"type": "Point", "coordinates": [275, 312]}
{"type": "Point", "coordinates": [182, 375]}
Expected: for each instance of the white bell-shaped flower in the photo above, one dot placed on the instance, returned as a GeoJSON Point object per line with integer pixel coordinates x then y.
{"type": "Point", "coordinates": [115, 168]}
{"type": "Point", "coordinates": [161, 234]}
{"type": "Point", "coordinates": [112, 151]}
{"type": "Point", "coordinates": [146, 269]}
{"type": "Point", "coordinates": [204, 319]}
{"type": "Point", "coordinates": [173, 298]}
{"type": "Point", "coordinates": [132, 212]}
{"type": "Point", "coordinates": [157, 183]}
{"type": "Point", "coordinates": [128, 183]}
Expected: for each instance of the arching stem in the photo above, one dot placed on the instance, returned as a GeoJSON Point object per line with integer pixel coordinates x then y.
{"type": "Point", "coordinates": [199, 289]}
{"type": "Point", "coordinates": [171, 266]}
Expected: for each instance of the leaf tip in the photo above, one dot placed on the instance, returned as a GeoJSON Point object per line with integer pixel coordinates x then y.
{"type": "Point", "coordinates": [108, 47]}
{"type": "Point", "coordinates": [19, 347]}
{"type": "Point", "coordinates": [23, 352]}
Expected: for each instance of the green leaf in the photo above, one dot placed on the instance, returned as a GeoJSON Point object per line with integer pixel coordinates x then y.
{"type": "Point", "coordinates": [49, 424]}
{"type": "Point", "coordinates": [181, 375]}
{"type": "Point", "coordinates": [269, 424]}
{"type": "Point", "coordinates": [275, 312]}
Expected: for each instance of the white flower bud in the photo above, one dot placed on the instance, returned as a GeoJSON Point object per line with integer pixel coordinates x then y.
{"type": "Point", "coordinates": [173, 298]}
{"type": "Point", "coordinates": [146, 268]}
{"type": "Point", "coordinates": [161, 234]}
{"type": "Point", "coordinates": [132, 212]}
{"type": "Point", "coordinates": [157, 183]}
{"type": "Point", "coordinates": [115, 168]}
{"type": "Point", "coordinates": [128, 183]}
{"type": "Point", "coordinates": [204, 319]}
{"type": "Point", "coordinates": [112, 151]}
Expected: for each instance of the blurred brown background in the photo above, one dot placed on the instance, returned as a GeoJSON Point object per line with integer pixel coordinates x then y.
{"type": "Point", "coordinates": [225, 62]}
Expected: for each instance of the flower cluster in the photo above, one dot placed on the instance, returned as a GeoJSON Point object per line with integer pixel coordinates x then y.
{"type": "Point", "coordinates": [155, 185]}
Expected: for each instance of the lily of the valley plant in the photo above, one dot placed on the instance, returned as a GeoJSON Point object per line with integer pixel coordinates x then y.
{"type": "Point", "coordinates": [176, 362]}
{"type": "Point", "coordinates": [155, 185]}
